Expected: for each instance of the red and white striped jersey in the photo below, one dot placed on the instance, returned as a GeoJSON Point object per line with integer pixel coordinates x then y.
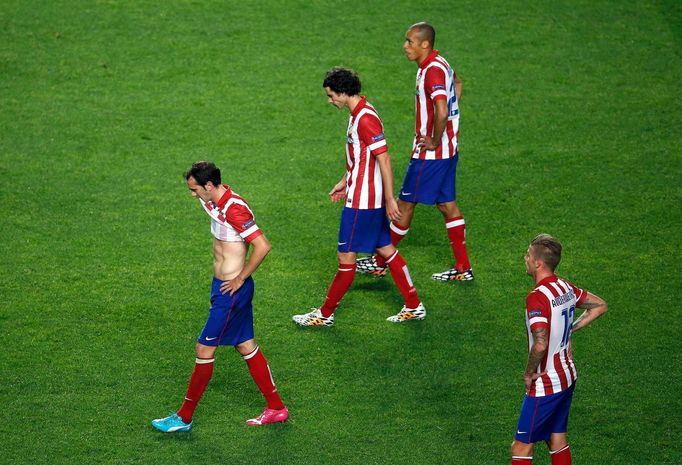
{"type": "Point", "coordinates": [366, 140]}
{"type": "Point", "coordinates": [231, 218]}
{"type": "Point", "coordinates": [435, 81]}
{"type": "Point", "coordinates": [552, 305]}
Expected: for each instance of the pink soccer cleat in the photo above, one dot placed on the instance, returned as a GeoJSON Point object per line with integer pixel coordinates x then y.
{"type": "Point", "coordinates": [269, 416]}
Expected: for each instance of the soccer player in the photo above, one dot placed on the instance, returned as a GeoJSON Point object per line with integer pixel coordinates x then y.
{"type": "Point", "coordinates": [550, 372]}
{"type": "Point", "coordinates": [230, 319]}
{"type": "Point", "coordinates": [367, 188]}
{"type": "Point", "coordinates": [430, 177]}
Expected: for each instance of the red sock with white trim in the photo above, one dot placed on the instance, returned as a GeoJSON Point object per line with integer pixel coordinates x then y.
{"type": "Point", "coordinates": [338, 288]}
{"type": "Point", "coordinates": [561, 456]}
{"type": "Point", "coordinates": [398, 233]}
{"type": "Point", "coordinates": [260, 372]}
{"type": "Point", "coordinates": [522, 460]}
{"type": "Point", "coordinates": [457, 234]}
{"type": "Point", "coordinates": [401, 276]}
{"type": "Point", "coordinates": [203, 371]}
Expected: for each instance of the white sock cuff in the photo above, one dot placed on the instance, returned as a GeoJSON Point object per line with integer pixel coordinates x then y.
{"type": "Point", "coordinates": [398, 229]}
{"type": "Point", "coordinates": [392, 257]}
{"type": "Point", "coordinates": [252, 354]}
{"type": "Point", "coordinates": [203, 361]}
{"type": "Point", "coordinates": [557, 451]}
{"type": "Point", "coordinates": [454, 223]}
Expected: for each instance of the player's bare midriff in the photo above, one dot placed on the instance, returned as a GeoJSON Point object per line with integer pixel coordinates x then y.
{"type": "Point", "coordinates": [228, 259]}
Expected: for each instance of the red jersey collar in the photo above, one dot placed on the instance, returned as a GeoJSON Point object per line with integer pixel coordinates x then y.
{"type": "Point", "coordinates": [361, 104]}
{"type": "Point", "coordinates": [430, 57]}
{"type": "Point", "coordinates": [226, 196]}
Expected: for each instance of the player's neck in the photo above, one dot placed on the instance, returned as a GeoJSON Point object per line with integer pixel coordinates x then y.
{"type": "Point", "coordinates": [541, 274]}
{"type": "Point", "coordinates": [352, 102]}
{"type": "Point", "coordinates": [217, 193]}
{"type": "Point", "coordinates": [422, 58]}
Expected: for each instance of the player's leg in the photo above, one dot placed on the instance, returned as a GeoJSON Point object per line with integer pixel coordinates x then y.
{"type": "Point", "coordinates": [413, 308]}
{"type": "Point", "coordinates": [352, 228]}
{"type": "Point", "coordinates": [454, 224]}
{"type": "Point", "coordinates": [198, 381]}
{"type": "Point", "coordinates": [521, 453]}
{"type": "Point", "coordinates": [559, 450]}
{"type": "Point", "coordinates": [260, 372]}
{"type": "Point", "coordinates": [345, 274]}
{"type": "Point", "coordinates": [407, 201]}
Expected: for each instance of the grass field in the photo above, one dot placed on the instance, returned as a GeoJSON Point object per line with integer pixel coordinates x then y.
{"type": "Point", "coordinates": [571, 123]}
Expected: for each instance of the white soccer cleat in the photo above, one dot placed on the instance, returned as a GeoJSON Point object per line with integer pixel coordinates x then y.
{"type": "Point", "coordinates": [453, 275]}
{"type": "Point", "coordinates": [368, 265]}
{"type": "Point", "coordinates": [314, 318]}
{"type": "Point", "coordinates": [407, 314]}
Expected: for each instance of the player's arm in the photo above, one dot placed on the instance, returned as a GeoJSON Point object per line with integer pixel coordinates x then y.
{"type": "Point", "coordinates": [594, 307]}
{"type": "Point", "coordinates": [536, 355]}
{"type": "Point", "coordinates": [386, 170]}
{"type": "Point", "coordinates": [458, 87]}
{"type": "Point", "coordinates": [440, 120]}
{"type": "Point", "coordinates": [261, 247]}
{"type": "Point", "coordinates": [338, 192]}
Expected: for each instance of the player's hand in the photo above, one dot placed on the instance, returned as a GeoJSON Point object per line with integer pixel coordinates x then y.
{"type": "Point", "coordinates": [232, 285]}
{"type": "Point", "coordinates": [392, 210]}
{"type": "Point", "coordinates": [528, 379]}
{"type": "Point", "coordinates": [338, 192]}
{"type": "Point", "coordinates": [426, 143]}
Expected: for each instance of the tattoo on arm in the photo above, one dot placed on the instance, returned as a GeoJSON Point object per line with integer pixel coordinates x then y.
{"type": "Point", "coordinates": [537, 352]}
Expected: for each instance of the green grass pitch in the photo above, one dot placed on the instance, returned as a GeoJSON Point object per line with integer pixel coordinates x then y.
{"type": "Point", "coordinates": [570, 125]}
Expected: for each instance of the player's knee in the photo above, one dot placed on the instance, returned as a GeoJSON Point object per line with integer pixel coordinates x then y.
{"type": "Point", "coordinates": [246, 347]}
{"type": "Point", "coordinates": [449, 209]}
{"type": "Point", "coordinates": [203, 351]}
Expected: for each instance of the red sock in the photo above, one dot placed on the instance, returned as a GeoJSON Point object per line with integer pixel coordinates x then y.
{"type": "Point", "coordinates": [260, 372]}
{"type": "Point", "coordinates": [561, 456]}
{"type": "Point", "coordinates": [522, 461]}
{"type": "Point", "coordinates": [401, 276]}
{"type": "Point", "coordinates": [457, 233]}
{"type": "Point", "coordinates": [338, 288]}
{"type": "Point", "coordinates": [203, 370]}
{"type": "Point", "coordinates": [397, 234]}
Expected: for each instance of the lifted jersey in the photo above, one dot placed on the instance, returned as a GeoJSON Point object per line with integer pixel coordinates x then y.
{"type": "Point", "coordinates": [552, 305]}
{"type": "Point", "coordinates": [231, 218]}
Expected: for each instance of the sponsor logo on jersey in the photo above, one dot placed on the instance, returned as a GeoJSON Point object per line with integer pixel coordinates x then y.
{"type": "Point", "coordinates": [534, 313]}
{"type": "Point", "coordinates": [248, 224]}
{"type": "Point", "coordinates": [378, 137]}
{"type": "Point", "coordinates": [438, 87]}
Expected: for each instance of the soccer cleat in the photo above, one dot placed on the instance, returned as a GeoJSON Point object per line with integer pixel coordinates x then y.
{"type": "Point", "coordinates": [453, 275]}
{"type": "Point", "coordinates": [407, 314]}
{"type": "Point", "coordinates": [171, 424]}
{"type": "Point", "coordinates": [314, 318]}
{"type": "Point", "coordinates": [368, 265]}
{"type": "Point", "coordinates": [269, 416]}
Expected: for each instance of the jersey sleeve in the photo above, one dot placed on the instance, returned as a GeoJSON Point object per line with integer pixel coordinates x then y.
{"type": "Point", "coordinates": [580, 294]}
{"type": "Point", "coordinates": [371, 132]}
{"type": "Point", "coordinates": [242, 220]}
{"type": "Point", "coordinates": [434, 83]}
{"type": "Point", "coordinates": [538, 311]}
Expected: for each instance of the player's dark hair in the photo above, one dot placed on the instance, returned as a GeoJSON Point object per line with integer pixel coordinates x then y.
{"type": "Point", "coordinates": [342, 81]}
{"type": "Point", "coordinates": [547, 249]}
{"type": "Point", "coordinates": [425, 31]}
{"type": "Point", "coordinates": [203, 172]}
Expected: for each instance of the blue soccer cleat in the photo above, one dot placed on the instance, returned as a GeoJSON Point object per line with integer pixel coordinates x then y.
{"type": "Point", "coordinates": [171, 424]}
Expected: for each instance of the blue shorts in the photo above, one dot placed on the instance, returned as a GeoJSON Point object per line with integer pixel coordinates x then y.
{"type": "Point", "coordinates": [542, 416]}
{"type": "Point", "coordinates": [363, 230]}
{"type": "Point", "coordinates": [230, 319]}
{"type": "Point", "coordinates": [430, 181]}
